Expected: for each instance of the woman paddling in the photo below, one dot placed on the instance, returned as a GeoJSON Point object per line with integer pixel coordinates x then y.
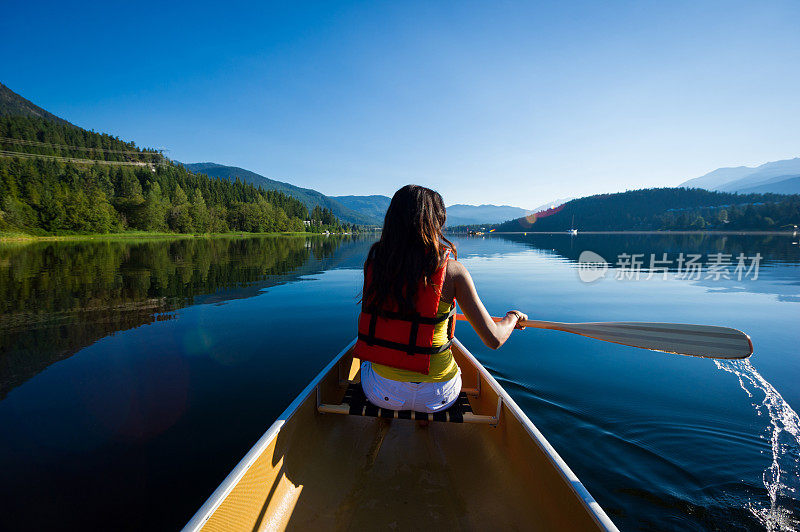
{"type": "Point", "coordinates": [411, 284]}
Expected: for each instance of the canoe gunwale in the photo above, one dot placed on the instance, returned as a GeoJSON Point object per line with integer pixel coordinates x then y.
{"type": "Point", "coordinates": [218, 496]}
{"type": "Point", "coordinates": [591, 505]}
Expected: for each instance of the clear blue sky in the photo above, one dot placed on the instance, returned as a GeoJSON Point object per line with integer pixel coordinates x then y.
{"type": "Point", "coordinates": [494, 102]}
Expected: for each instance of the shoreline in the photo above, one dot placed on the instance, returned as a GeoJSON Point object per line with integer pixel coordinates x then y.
{"type": "Point", "coordinates": [6, 238]}
{"type": "Point", "coordinates": [565, 233]}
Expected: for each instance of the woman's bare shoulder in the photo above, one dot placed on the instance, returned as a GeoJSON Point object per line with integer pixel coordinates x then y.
{"type": "Point", "coordinates": [455, 269]}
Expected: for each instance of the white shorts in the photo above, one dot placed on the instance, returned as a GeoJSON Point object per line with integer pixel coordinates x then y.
{"type": "Point", "coordinates": [427, 397]}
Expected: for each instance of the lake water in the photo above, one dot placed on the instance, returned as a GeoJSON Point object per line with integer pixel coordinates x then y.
{"type": "Point", "coordinates": [135, 375]}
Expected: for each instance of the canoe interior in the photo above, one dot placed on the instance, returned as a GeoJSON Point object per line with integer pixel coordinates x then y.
{"type": "Point", "coordinates": [341, 472]}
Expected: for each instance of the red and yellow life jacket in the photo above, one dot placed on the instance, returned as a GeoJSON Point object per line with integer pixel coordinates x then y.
{"type": "Point", "coordinates": [405, 341]}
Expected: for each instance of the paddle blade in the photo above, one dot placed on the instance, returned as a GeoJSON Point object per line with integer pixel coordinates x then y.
{"type": "Point", "coordinates": [707, 341]}
{"type": "Point", "coordinates": [683, 339]}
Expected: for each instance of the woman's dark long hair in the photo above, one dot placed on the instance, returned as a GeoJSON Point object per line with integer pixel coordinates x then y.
{"type": "Point", "coordinates": [409, 249]}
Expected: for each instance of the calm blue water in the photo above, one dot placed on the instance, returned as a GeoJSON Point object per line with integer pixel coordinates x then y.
{"type": "Point", "coordinates": [134, 376]}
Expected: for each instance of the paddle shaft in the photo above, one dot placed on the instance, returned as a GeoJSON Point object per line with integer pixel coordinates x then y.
{"type": "Point", "coordinates": [535, 324]}
{"type": "Point", "coordinates": [705, 341]}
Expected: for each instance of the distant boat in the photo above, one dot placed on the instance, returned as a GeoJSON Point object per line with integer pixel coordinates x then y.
{"type": "Point", "coordinates": [573, 231]}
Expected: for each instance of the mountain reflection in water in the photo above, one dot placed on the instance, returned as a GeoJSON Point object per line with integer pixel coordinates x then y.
{"type": "Point", "coordinates": [58, 297]}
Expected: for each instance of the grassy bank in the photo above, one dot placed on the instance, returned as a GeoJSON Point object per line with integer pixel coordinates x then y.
{"type": "Point", "coordinates": [138, 235]}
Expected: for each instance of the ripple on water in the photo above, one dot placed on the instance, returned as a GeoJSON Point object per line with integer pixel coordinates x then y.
{"type": "Point", "coordinates": [648, 452]}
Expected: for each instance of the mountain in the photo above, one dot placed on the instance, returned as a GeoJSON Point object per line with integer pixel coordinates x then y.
{"type": "Point", "coordinates": [777, 177]}
{"type": "Point", "coordinates": [717, 178]}
{"type": "Point", "coordinates": [57, 178]}
{"type": "Point", "coordinates": [785, 185]}
{"type": "Point", "coordinates": [764, 183]}
{"type": "Point", "coordinates": [665, 209]}
{"type": "Point", "coordinates": [551, 204]}
{"type": "Point", "coordinates": [460, 214]}
{"type": "Point", "coordinates": [363, 210]}
{"type": "Point", "coordinates": [309, 197]}
{"type": "Point", "coordinates": [12, 104]}
{"type": "Point", "coordinates": [373, 206]}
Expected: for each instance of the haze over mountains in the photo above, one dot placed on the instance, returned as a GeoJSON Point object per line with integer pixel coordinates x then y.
{"type": "Point", "coordinates": [364, 210]}
{"type": "Point", "coordinates": [309, 197]}
{"type": "Point", "coordinates": [373, 206]}
{"type": "Point", "coordinates": [780, 177]}
{"type": "Point", "coordinates": [482, 214]}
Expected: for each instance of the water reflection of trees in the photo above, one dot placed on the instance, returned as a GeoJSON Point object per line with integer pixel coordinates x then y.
{"type": "Point", "coordinates": [58, 297]}
{"type": "Point", "coordinates": [778, 269]}
{"type": "Point", "coordinates": [773, 248]}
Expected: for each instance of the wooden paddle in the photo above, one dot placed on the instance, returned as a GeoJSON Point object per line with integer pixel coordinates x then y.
{"type": "Point", "coordinates": [705, 341]}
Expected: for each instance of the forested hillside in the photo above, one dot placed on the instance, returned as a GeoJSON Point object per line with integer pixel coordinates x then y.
{"type": "Point", "coordinates": [310, 198]}
{"type": "Point", "coordinates": [667, 209]}
{"type": "Point", "coordinates": [124, 187]}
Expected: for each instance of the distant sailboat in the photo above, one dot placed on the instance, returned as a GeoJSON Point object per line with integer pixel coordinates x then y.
{"type": "Point", "coordinates": [572, 230]}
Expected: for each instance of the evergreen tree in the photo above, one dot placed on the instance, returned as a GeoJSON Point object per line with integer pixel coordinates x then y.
{"type": "Point", "coordinates": [180, 218]}
{"type": "Point", "coordinates": [154, 216]}
{"type": "Point", "coordinates": [199, 212]}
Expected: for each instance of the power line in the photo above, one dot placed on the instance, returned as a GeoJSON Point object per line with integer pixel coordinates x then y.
{"type": "Point", "coordinates": [4, 153]}
{"type": "Point", "coordinates": [25, 142]}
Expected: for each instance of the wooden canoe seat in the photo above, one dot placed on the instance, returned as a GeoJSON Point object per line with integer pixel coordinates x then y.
{"type": "Point", "coordinates": [355, 403]}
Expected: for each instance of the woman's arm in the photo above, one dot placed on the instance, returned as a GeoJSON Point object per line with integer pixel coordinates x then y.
{"type": "Point", "coordinates": [494, 334]}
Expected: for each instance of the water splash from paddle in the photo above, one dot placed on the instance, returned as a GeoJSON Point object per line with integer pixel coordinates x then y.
{"type": "Point", "coordinates": [782, 477]}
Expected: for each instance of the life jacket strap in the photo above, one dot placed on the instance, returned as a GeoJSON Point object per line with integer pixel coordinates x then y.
{"type": "Point", "coordinates": [451, 323]}
{"type": "Point", "coordinates": [380, 342]}
{"type": "Point", "coordinates": [411, 347]}
{"type": "Point", "coordinates": [373, 322]}
{"type": "Point", "coordinates": [391, 315]}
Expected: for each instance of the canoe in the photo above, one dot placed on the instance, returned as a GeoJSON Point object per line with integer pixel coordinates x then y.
{"type": "Point", "coordinates": [328, 464]}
